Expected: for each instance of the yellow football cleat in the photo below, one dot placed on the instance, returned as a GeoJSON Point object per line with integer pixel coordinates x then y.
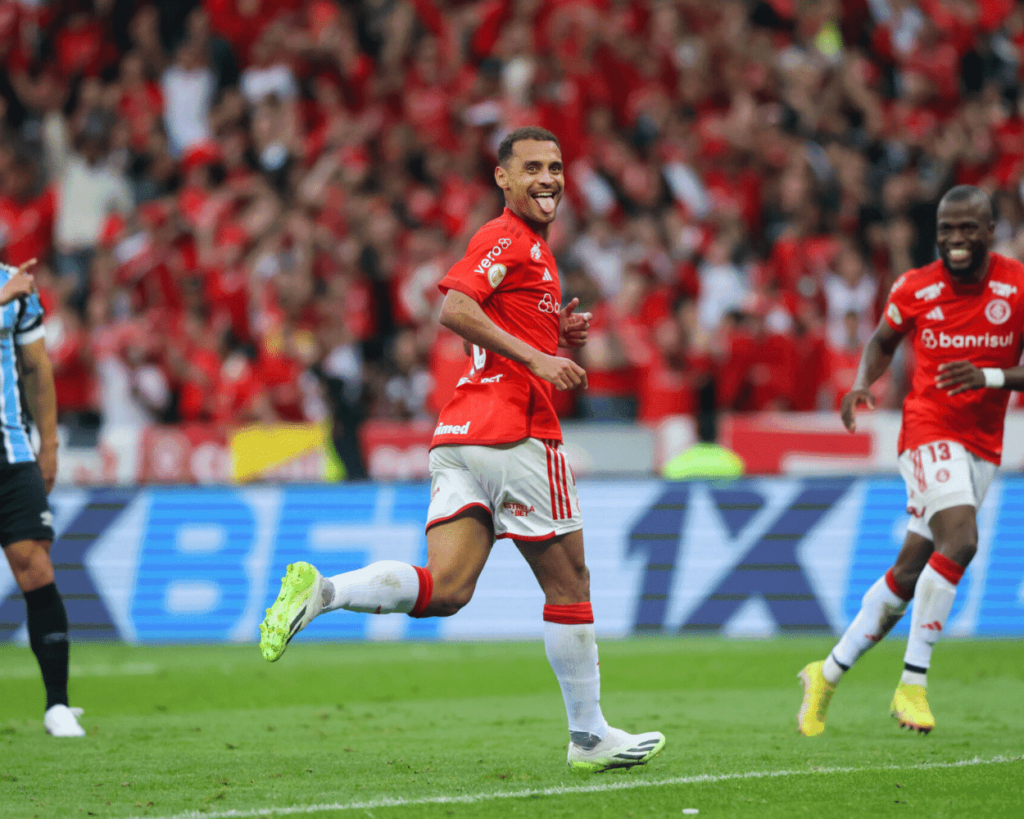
{"type": "Point", "coordinates": [910, 707]}
{"type": "Point", "coordinates": [817, 695]}
{"type": "Point", "coordinates": [296, 606]}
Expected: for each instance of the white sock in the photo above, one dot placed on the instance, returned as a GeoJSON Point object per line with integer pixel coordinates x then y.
{"type": "Point", "coordinates": [572, 652]}
{"type": "Point", "coordinates": [933, 601]}
{"type": "Point", "coordinates": [880, 609]}
{"type": "Point", "coordinates": [384, 587]}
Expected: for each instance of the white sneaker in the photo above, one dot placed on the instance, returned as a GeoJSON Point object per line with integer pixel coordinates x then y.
{"type": "Point", "coordinates": [297, 604]}
{"type": "Point", "coordinates": [61, 721]}
{"type": "Point", "coordinates": [617, 750]}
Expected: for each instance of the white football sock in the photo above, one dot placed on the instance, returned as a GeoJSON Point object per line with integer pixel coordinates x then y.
{"type": "Point", "coordinates": [880, 609]}
{"type": "Point", "coordinates": [572, 652]}
{"type": "Point", "coordinates": [384, 587]}
{"type": "Point", "coordinates": [933, 601]}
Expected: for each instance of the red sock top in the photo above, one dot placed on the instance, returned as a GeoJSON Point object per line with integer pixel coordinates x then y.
{"type": "Point", "coordinates": [426, 591]}
{"type": "Point", "coordinates": [571, 614]}
{"type": "Point", "coordinates": [949, 569]}
{"type": "Point", "coordinates": [901, 592]}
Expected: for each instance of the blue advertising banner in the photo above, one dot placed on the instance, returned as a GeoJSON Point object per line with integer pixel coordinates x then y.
{"type": "Point", "coordinates": [753, 557]}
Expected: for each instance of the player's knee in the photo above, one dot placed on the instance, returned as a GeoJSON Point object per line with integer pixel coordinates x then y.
{"type": "Point", "coordinates": [30, 564]}
{"type": "Point", "coordinates": [446, 607]}
{"type": "Point", "coordinates": [905, 576]}
{"type": "Point", "coordinates": [446, 602]}
{"type": "Point", "coordinates": [961, 551]}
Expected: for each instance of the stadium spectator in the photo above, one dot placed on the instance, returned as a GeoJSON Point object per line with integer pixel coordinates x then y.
{"type": "Point", "coordinates": [950, 444]}
{"type": "Point", "coordinates": [89, 189]}
{"type": "Point", "coordinates": [188, 86]}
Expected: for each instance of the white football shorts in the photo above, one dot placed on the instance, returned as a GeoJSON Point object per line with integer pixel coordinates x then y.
{"type": "Point", "coordinates": [940, 475]}
{"type": "Point", "coordinates": [527, 487]}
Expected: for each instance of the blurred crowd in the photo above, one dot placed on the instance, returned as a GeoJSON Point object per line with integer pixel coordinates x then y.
{"type": "Point", "coordinates": [241, 208]}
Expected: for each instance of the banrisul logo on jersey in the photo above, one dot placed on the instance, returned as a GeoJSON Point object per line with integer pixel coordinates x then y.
{"type": "Point", "coordinates": [998, 311]}
{"type": "Point", "coordinates": [959, 341]}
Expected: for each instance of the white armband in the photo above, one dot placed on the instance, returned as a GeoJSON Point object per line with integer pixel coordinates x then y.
{"type": "Point", "coordinates": [994, 377]}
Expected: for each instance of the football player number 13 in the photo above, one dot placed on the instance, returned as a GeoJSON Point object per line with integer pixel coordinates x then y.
{"type": "Point", "coordinates": [943, 454]}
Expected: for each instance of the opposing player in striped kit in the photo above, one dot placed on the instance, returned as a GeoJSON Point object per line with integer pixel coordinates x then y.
{"type": "Point", "coordinates": [964, 314]}
{"type": "Point", "coordinates": [496, 462]}
{"type": "Point", "coordinates": [26, 522]}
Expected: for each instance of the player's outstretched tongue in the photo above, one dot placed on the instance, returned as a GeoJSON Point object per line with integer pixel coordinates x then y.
{"type": "Point", "coordinates": [546, 202]}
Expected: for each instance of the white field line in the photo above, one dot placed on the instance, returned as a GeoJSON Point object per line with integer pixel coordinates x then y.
{"type": "Point", "coordinates": [601, 787]}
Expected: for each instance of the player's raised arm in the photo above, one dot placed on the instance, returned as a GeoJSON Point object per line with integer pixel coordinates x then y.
{"type": "Point", "coordinates": [874, 361]}
{"type": "Point", "coordinates": [464, 316]}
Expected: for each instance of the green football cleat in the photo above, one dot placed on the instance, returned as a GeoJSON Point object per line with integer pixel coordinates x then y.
{"type": "Point", "coordinates": [910, 708]}
{"type": "Point", "coordinates": [297, 604]}
{"type": "Point", "coordinates": [817, 695]}
{"type": "Point", "coordinates": [617, 750]}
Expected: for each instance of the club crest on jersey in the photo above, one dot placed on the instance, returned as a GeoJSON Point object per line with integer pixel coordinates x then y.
{"type": "Point", "coordinates": [893, 312]}
{"type": "Point", "coordinates": [495, 274]}
{"type": "Point", "coordinates": [997, 311]}
{"type": "Point", "coordinates": [535, 252]}
{"type": "Point", "coordinates": [1003, 289]}
{"type": "Point", "coordinates": [932, 291]}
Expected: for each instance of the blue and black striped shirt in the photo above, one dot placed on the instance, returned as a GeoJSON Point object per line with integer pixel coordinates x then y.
{"type": "Point", "coordinates": [21, 322]}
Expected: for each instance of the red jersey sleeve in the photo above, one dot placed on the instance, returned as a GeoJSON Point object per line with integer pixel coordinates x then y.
{"type": "Point", "coordinates": [899, 307]}
{"type": "Point", "coordinates": [485, 267]}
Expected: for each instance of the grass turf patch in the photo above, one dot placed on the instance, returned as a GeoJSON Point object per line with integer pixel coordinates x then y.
{"type": "Point", "coordinates": [478, 730]}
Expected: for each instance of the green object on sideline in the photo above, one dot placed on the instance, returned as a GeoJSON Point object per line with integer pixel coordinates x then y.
{"type": "Point", "coordinates": [704, 460]}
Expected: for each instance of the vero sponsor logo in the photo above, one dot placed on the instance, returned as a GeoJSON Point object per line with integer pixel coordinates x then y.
{"type": "Point", "coordinates": [452, 429]}
{"type": "Point", "coordinates": [484, 264]}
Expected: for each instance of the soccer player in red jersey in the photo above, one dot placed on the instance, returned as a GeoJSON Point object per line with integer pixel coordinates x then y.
{"type": "Point", "coordinates": [496, 463]}
{"type": "Point", "coordinates": [964, 315]}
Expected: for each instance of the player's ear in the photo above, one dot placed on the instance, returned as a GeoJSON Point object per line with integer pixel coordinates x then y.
{"type": "Point", "coordinates": [501, 177]}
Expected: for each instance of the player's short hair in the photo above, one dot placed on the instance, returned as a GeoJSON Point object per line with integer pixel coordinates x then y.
{"type": "Point", "coordinates": [518, 135]}
{"type": "Point", "coordinates": [961, 194]}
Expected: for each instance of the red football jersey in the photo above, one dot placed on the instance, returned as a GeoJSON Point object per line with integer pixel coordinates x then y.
{"type": "Point", "coordinates": [510, 271]}
{"type": "Point", "coordinates": [949, 321]}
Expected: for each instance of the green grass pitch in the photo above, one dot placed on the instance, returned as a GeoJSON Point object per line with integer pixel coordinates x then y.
{"type": "Point", "coordinates": [478, 730]}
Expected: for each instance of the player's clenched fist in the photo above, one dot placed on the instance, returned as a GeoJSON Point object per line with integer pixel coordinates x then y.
{"type": "Point", "coordinates": [19, 285]}
{"type": "Point", "coordinates": [848, 407]}
{"type": "Point", "coordinates": [564, 373]}
{"type": "Point", "coordinates": [959, 376]}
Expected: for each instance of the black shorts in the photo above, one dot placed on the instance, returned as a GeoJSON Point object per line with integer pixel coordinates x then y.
{"type": "Point", "coordinates": [24, 510]}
